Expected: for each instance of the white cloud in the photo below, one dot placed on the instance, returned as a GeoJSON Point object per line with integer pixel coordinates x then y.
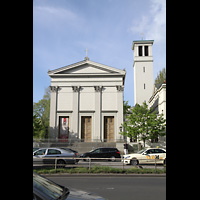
{"type": "Point", "coordinates": [48, 16]}
{"type": "Point", "coordinates": [153, 23]}
{"type": "Point", "coordinates": [56, 12]}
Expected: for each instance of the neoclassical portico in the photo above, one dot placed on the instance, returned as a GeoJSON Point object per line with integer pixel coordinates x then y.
{"type": "Point", "coordinates": [86, 102]}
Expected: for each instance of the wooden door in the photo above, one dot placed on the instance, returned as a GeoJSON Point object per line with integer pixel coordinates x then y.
{"type": "Point", "coordinates": [86, 128]}
{"type": "Point", "coordinates": [109, 129]}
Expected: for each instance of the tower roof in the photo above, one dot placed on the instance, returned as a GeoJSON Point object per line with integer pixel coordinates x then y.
{"type": "Point", "coordinates": [142, 42]}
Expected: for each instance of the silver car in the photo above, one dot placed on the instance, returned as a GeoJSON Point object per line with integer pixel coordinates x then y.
{"type": "Point", "coordinates": [63, 156]}
{"type": "Point", "coordinates": [44, 188]}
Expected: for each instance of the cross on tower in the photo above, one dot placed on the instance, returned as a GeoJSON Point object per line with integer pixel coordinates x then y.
{"type": "Point", "coordinates": [86, 58]}
{"type": "Point", "coordinates": [142, 35]}
{"type": "Point", "coordinates": [86, 51]}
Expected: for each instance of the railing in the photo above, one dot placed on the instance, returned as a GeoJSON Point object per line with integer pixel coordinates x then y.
{"type": "Point", "coordinates": [90, 162]}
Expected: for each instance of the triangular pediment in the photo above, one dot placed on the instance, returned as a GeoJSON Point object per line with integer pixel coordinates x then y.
{"type": "Point", "coordinates": [86, 67]}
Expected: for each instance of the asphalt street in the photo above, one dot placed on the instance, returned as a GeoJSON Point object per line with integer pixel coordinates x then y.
{"type": "Point", "coordinates": [117, 188]}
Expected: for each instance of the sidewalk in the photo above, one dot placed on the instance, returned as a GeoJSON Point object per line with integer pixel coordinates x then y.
{"type": "Point", "coordinates": [103, 175]}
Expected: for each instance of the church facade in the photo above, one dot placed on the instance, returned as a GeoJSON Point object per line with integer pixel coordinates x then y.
{"type": "Point", "coordinates": [86, 102]}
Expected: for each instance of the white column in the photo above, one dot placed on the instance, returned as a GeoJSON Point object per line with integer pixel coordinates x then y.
{"type": "Point", "coordinates": [120, 114]}
{"type": "Point", "coordinates": [75, 108]}
{"type": "Point", "coordinates": [53, 132]}
{"type": "Point", "coordinates": [98, 113]}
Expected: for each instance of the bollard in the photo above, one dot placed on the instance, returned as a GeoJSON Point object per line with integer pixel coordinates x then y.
{"type": "Point", "coordinates": [89, 164]}
{"type": "Point", "coordinates": [55, 164]}
{"type": "Point", "coordinates": [156, 157]}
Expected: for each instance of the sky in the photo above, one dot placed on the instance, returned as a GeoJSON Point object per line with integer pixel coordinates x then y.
{"type": "Point", "coordinates": [63, 29]}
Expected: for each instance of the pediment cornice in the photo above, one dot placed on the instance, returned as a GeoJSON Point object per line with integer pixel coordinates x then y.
{"type": "Point", "coordinates": [86, 67]}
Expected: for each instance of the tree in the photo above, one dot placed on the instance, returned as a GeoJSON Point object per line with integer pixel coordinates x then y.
{"type": "Point", "coordinates": [37, 127]}
{"type": "Point", "coordinates": [161, 77]}
{"type": "Point", "coordinates": [143, 123]}
{"type": "Point", "coordinates": [126, 107]}
{"type": "Point", "coordinates": [41, 111]}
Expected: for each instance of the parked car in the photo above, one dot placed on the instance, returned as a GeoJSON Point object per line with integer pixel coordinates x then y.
{"type": "Point", "coordinates": [146, 156]}
{"type": "Point", "coordinates": [46, 189]}
{"type": "Point", "coordinates": [41, 156]}
{"type": "Point", "coordinates": [68, 149]}
{"type": "Point", "coordinates": [76, 152]}
{"type": "Point", "coordinates": [111, 153]}
{"type": "Point", "coordinates": [35, 148]}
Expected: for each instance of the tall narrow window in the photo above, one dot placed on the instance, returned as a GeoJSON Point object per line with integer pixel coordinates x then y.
{"type": "Point", "coordinates": [140, 50]}
{"type": "Point", "coordinates": [144, 86]}
{"type": "Point", "coordinates": [143, 69]}
{"type": "Point", "coordinates": [146, 50]}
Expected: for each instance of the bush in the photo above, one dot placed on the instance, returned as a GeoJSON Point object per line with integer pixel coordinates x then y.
{"type": "Point", "coordinates": [100, 169]}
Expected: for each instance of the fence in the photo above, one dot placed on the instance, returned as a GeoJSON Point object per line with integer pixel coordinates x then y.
{"type": "Point", "coordinates": [90, 162]}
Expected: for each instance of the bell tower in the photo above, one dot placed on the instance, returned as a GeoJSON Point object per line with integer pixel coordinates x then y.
{"type": "Point", "coordinates": [143, 70]}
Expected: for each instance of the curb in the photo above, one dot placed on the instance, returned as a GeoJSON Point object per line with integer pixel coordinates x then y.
{"type": "Point", "coordinates": [103, 175]}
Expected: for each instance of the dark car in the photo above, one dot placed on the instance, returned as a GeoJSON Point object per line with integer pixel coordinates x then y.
{"type": "Point", "coordinates": [111, 153]}
{"type": "Point", "coordinates": [46, 189]}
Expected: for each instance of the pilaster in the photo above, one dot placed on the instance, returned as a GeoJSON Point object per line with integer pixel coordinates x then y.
{"type": "Point", "coordinates": [53, 132]}
{"type": "Point", "coordinates": [98, 112]}
{"type": "Point", "coordinates": [75, 108]}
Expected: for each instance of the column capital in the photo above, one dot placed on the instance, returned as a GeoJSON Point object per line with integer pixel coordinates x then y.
{"type": "Point", "coordinates": [120, 88]}
{"type": "Point", "coordinates": [98, 88]}
{"type": "Point", "coordinates": [76, 88]}
{"type": "Point", "coordinates": [54, 88]}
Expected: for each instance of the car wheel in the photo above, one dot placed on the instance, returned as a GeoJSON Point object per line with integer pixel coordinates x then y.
{"type": "Point", "coordinates": [112, 158]}
{"type": "Point", "coordinates": [61, 163]}
{"type": "Point", "coordinates": [87, 159]}
{"type": "Point", "coordinates": [134, 162]}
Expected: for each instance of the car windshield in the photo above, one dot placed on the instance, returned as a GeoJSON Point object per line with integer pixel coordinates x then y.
{"type": "Point", "coordinates": [141, 151]}
{"type": "Point", "coordinates": [46, 186]}
{"type": "Point", "coordinates": [92, 150]}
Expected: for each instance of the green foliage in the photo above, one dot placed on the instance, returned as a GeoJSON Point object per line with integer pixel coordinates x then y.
{"type": "Point", "coordinates": [41, 111]}
{"type": "Point", "coordinates": [37, 127]}
{"type": "Point", "coordinates": [143, 123]}
{"type": "Point", "coordinates": [126, 107]}
{"type": "Point", "coordinates": [161, 77]}
{"type": "Point", "coordinates": [100, 170]}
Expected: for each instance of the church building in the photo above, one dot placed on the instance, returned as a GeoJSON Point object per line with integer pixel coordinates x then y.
{"type": "Point", "coordinates": [86, 102]}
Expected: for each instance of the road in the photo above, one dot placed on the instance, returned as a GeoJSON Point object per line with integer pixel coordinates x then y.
{"type": "Point", "coordinates": [117, 188]}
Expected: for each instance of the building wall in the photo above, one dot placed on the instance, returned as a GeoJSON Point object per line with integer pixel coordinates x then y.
{"type": "Point", "coordinates": [92, 95]}
{"type": "Point", "coordinates": [158, 100]}
{"type": "Point", "coordinates": [143, 92]}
